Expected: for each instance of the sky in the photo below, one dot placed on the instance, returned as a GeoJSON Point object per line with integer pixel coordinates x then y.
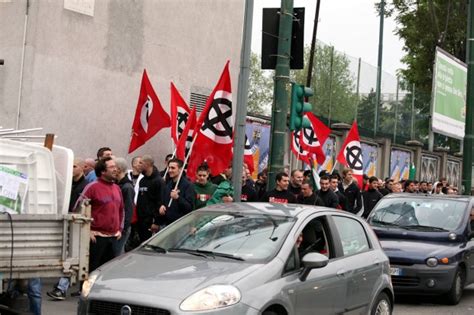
{"type": "Point", "coordinates": [351, 26]}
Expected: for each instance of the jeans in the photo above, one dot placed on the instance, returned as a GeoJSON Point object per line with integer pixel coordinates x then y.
{"type": "Point", "coordinates": [120, 244]}
{"type": "Point", "coordinates": [34, 295]}
{"type": "Point", "coordinates": [33, 291]}
{"type": "Point", "coordinates": [63, 285]}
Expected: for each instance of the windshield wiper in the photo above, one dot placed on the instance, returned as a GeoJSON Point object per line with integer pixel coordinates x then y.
{"type": "Point", "coordinates": [383, 223]}
{"type": "Point", "coordinates": [188, 251]}
{"type": "Point", "coordinates": [205, 253]}
{"type": "Point", "coordinates": [424, 227]}
{"type": "Point", "coordinates": [155, 248]}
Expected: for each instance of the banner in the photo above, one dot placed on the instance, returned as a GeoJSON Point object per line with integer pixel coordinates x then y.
{"type": "Point", "coordinates": [449, 95]}
{"type": "Point", "coordinates": [400, 162]}
{"type": "Point", "coordinates": [13, 189]}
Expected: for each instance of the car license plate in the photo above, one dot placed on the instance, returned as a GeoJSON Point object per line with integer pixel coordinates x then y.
{"type": "Point", "coordinates": [395, 271]}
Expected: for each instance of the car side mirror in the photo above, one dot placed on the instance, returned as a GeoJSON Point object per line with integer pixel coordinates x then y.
{"type": "Point", "coordinates": [312, 261]}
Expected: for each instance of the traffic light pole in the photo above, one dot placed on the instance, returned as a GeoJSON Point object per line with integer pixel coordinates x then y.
{"type": "Point", "coordinates": [469, 129]}
{"type": "Point", "coordinates": [280, 103]}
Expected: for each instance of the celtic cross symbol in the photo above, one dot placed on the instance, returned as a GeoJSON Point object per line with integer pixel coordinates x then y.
{"type": "Point", "coordinates": [354, 157]}
{"type": "Point", "coordinates": [220, 118]}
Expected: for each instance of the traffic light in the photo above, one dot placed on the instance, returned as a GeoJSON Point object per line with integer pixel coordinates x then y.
{"type": "Point", "coordinates": [299, 107]}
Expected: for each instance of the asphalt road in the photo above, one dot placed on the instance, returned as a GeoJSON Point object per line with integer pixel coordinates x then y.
{"type": "Point", "coordinates": [405, 306]}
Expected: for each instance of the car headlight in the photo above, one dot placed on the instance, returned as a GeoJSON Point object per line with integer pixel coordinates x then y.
{"type": "Point", "coordinates": [432, 262]}
{"type": "Point", "coordinates": [212, 297]}
{"type": "Point", "coordinates": [87, 285]}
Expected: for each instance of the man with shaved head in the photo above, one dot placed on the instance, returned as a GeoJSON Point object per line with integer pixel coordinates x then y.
{"type": "Point", "coordinates": [78, 182]}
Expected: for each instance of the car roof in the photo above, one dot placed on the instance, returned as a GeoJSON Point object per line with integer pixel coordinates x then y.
{"type": "Point", "coordinates": [291, 210]}
{"type": "Point", "coordinates": [424, 196]}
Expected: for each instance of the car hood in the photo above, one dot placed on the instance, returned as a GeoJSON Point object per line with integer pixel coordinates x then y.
{"type": "Point", "coordinates": [400, 251]}
{"type": "Point", "coordinates": [172, 275]}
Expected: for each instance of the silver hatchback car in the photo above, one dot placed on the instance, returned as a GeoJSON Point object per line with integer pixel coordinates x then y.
{"type": "Point", "coordinates": [248, 258]}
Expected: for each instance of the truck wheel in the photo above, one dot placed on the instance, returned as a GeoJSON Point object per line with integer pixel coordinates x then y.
{"type": "Point", "coordinates": [382, 305]}
{"type": "Point", "coordinates": [455, 293]}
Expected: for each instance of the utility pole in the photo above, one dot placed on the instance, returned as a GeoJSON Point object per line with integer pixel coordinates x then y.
{"type": "Point", "coordinates": [242, 96]}
{"type": "Point", "coordinates": [469, 129]}
{"type": "Point", "coordinates": [313, 45]}
{"type": "Point", "coordinates": [379, 68]}
{"type": "Point", "coordinates": [280, 103]}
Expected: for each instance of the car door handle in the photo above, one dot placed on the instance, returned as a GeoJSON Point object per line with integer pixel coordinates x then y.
{"type": "Point", "coordinates": [341, 273]}
{"type": "Point", "coordinates": [376, 262]}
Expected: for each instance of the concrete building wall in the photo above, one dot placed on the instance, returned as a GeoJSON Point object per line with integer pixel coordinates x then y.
{"type": "Point", "coordinates": [81, 75]}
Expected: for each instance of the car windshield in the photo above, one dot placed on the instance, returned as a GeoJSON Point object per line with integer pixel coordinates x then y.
{"type": "Point", "coordinates": [430, 215]}
{"type": "Point", "coordinates": [232, 235]}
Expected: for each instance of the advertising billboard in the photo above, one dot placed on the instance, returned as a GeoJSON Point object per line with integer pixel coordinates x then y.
{"type": "Point", "coordinates": [448, 108]}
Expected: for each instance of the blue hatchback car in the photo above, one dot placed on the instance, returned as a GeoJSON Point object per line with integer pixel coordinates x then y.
{"type": "Point", "coordinates": [429, 241]}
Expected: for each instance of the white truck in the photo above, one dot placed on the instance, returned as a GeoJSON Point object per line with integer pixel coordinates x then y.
{"type": "Point", "coordinates": [38, 237]}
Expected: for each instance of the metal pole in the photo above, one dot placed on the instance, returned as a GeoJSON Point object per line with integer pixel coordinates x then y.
{"type": "Point", "coordinates": [330, 86]}
{"type": "Point", "coordinates": [396, 112]}
{"type": "Point", "coordinates": [313, 45]}
{"type": "Point", "coordinates": [412, 129]}
{"type": "Point", "coordinates": [22, 64]}
{"type": "Point", "coordinates": [469, 129]}
{"type": "Point", "coordinates": [357, 89]}
{"type": "Point", "coordinates": [280, 104]}
{"type": "Point", "coordinates": [241, 111]}
{"type": "Point", "coordinates": [379, 67]}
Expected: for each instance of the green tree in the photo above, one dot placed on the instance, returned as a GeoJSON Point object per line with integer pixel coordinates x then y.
{"type": "Point", "coordinates": [332, 83]}
{"type": "Point", "coordinates": [423, 25]}
{"type": "Point", "coordinates": [260, 95]}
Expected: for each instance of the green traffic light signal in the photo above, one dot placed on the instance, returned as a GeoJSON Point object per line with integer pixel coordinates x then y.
{"type": "Point", "coordinates": [299, 107]}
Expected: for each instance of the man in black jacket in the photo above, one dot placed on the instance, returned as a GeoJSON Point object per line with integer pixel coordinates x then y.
{"type": "Point", "coordinates": [280, 194]}
{"type": "Point", "coordinates": [78, 182]}
{"type": "Point", "coordinates": [149, 198]}
{"type": "Point", "coordinates": [371, 196]}
{"type": "Point", "coordinates": [334, 182]}
{"type": "Point", "coordinates": [307, 196]}
{"type": "Point", "coordinates": [128, 194]}
{"type": "Point", "coordinates": [328, 196]}
{"type": "Point", "coordinates": [352, 192]}
{"type": "Point", "coordinates": [181, 197]}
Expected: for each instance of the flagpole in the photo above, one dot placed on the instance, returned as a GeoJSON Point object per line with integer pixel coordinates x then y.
{"type": "Point", "coordinates": [184, 166]}
{"type": "Point", "coordinates": [334, 166]}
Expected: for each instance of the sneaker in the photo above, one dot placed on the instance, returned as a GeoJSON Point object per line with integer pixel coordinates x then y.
{"type": "Point", "coordinates": [57, 294]}
{"type": "Point", "coordinates": [76, 293]}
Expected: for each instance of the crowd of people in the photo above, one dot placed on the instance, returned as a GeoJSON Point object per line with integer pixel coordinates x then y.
{"type": "Point", "coordinates": [130, 204]}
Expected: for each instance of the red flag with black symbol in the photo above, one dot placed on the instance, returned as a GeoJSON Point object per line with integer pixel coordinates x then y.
{"type": "Point", "coordinates": [214, 129]}
{"type": "Point", "coordinates": [351, 154]}
{"type": "Point", "coordinates": [248, 155]}
{"type": "Point", "coordinates": [296, 148]}
{"type": "Point", "coordinates": [179, 114]}
{"type": "Point", "coordinates": [313, 138]}
{"type": "Point", "coordinates": [186, 136]}
{"type": "Point", "coordinates": [150, 117]}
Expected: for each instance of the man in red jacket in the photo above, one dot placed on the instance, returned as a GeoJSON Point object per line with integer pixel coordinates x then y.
{"type": "Point", "coordinates": [107, 210]}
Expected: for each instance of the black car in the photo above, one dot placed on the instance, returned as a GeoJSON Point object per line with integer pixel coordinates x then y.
{"type": "Point", "coordinates": [429, 241]}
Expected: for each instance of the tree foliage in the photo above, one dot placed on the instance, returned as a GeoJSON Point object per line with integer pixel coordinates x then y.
{"type": "Point", "coordinates": [423, 25]}
{"type": "Point", "coordinates": [260, 95]}
{"type": "Point", "coordinates": [332, 83]}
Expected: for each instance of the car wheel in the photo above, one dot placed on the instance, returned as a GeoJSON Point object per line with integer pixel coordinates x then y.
{"type": "Point", "coordinates": [382, 306]}
{"type": "Point", "coordinates": [455, 293]}
{"type": "Point", "coordinates": [269, 313]}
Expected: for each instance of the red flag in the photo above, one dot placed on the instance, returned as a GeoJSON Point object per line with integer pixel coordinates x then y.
{"type": "Point", "coordinates": [303, 155]}
{"type": "Point", "coordinates": [351, 154]}
{"type": "Point", "coordinates": [215, 129]}
{"type": "Point", "coordinates": [150, 117]}
{"type": "Point", "coordinates": [312, 139]}
{"type": "Point", "coordinates": [179, 114]}
{"type": "Point", "coordinates": [248, 155]}
{"type": "Point", "coordinates": [186, 136]}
